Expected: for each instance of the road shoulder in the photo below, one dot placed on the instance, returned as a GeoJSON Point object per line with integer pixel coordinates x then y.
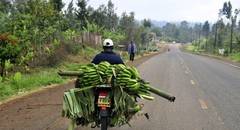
{"type": "Point", "coordinates": [220, 58]}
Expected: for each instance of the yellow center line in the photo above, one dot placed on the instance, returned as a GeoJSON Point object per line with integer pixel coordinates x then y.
{"type": "Point", "coordinates": [203, 104]}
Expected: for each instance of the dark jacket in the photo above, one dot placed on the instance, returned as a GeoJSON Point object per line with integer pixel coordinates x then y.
{"type": "Point", "coordinates": [110, 57]}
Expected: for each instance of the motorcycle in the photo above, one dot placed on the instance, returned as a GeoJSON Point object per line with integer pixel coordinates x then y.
{"type": "Point", "coordinates": [103, 102]}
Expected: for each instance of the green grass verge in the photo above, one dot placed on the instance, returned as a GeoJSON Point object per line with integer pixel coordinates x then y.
{"type": "Point", "coordinates": [235, 57]}
{"type": "Point", "coordinates": [21, 83]}
{"type": "Point", "coordinates": [191, 48]}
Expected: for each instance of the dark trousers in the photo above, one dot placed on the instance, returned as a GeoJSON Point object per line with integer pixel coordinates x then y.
{"type": "Point", "coordinates": [132, 56]}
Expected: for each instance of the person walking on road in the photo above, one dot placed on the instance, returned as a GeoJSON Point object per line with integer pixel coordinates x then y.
{"type": "Point", "coordinates": [132, 50]}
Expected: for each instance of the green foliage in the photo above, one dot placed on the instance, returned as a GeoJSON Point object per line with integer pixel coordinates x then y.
{"type": "Point", "coordinates": [3, 20]}
{"type": "Point", "coordinates": [93, 28]}
{"type": "Point", "coordinates": [157, 30]}
{"type": "Point", "coordinates": [206, 29]}
{"type": "Point", "coordinates": [82, 13]}
{"type": "Point", "coordinates": [19, 82]}
{"type": "Point", "coordinates": [6, 90]}
{"type": "Point", "coordinates": [5, 6]}
{"type": "Point", "coordinates": [8, 65]}
{"type": "Point", "coordinates": [9, 50]}
{"type": "Point", "coordinates": [191, 48]}
{"type": "Point", "coordinates": [235, 57]}
{"type": "Point", "coordinates": [227, 9]}
{"type": "Point", "coordinates": [115, 36]}
{"type": "Point", "coordinates": [69, 34]}
{"type": "Point", "coordinates": [147, 23]}
{"type": "Point", "coordinates": [57, 4]}
{"type": "Point", "coordinates": [127, 24]}
{"type": "Point", "coordinates": [17, 77]}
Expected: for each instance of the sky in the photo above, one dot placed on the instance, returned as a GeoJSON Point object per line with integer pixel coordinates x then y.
{"type": "Point", "coordinates": [169, 10]}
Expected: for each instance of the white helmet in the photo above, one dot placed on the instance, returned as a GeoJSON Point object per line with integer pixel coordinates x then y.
{"type": "Point", "coordinates": [107, 43]}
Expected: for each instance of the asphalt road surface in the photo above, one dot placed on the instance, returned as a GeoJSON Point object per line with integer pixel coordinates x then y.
{"type": "Point", "coordinates": [207, 91]}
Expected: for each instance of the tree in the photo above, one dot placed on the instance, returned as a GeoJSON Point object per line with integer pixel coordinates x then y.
{"type": "Point", "coordinates": [184, 32]}
{"type": "Point", "coordinates": [170, 32]}
{"type": "Point", "coordinates": [57, 5]}
{"type": "Point", "coordinates": [157, 30]}
{"type": "Point", "coordinates": [70, 15]}
{"type": "Point", "coordinates": [238, 28]}
{"type": "Point", "coordinates": [99, 16]}
{"type": "Point", "coordinates": [147, 23]}
{"type": "Point", "coordinates": [222, 33]}
{"type": "Point", "coordinates": [227, 12]}
{"type": "Point", "coordinates": [5, 6]}
{"type": "Point", "coordinates": [9, 50]}
{"type": "Point", "coordinates": [206, 30]}
{"type": "Point", "coordinates": [127, 24]}
{"type": "Point", "coordinates": [82, 13]}
{"type": "Point", "coordinates": [112, 18]}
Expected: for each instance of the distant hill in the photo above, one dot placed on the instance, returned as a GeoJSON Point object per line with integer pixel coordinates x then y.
{"type": "Point", "coordinates": [163, 23]}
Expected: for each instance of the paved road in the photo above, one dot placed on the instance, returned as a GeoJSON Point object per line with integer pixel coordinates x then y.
{"type": "Point", "coordinates": [207, 91]}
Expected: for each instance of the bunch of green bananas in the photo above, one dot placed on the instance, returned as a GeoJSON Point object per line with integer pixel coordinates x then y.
{"type": "Point", "coordinates": [129, 79]}
{"type": "Point", "coordinates": [124, 76]}
{"type": "Point", "coordinates": [90, 76]}
{"type": "Point", "coordinates": [106, 71]}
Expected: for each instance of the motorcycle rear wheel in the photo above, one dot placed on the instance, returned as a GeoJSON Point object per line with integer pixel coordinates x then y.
{"type": "Point", "coordinates": [104, 123]}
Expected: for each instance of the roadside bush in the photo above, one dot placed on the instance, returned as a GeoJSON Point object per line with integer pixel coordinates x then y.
{"type": "Point", "coordinates": [57, 56]}
{"type": "Point", "coordinates": [235, 57]}
{"type": "Point", "coordinates": [5, 91]}
{"type": "Point", "coordinates": [72, 48]}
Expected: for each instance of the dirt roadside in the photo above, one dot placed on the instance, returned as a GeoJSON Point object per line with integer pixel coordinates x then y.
{"type": "Point", "coordinates": [41, 110]}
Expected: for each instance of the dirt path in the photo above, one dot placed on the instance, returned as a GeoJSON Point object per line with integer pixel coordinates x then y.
{"type": "Point", "coordinates": [41, 110]}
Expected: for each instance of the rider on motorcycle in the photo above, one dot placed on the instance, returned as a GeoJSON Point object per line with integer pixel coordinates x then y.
{"type": "Point", "coordinates": [107, 54]}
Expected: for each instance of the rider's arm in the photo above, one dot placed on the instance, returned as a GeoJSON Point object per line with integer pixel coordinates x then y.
{"type": "Point", "coordinates": [96, 60]}
{"type": "Point", "coordinates": [119, 60]}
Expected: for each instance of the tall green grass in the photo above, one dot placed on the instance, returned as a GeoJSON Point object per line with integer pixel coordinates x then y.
{"type": "Point", "coordinates": [235, 57]}
{"type": "Point", "coordinates": [21, 83]}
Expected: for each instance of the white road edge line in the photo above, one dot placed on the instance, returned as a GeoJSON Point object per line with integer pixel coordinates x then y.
{"type": "Point", "coordinates": [233, 65]}
{"type": "Point", "coordinates": [203, 104]}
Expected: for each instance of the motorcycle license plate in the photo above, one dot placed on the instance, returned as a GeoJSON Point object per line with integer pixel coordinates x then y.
{"type": "Point", "coordinates": [103, 101]}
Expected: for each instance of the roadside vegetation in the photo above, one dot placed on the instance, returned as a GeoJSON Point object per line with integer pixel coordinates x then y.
{"type": "Point", "coordinates": [222, 38]}
{"type": "Point", "coordinates": [39, 37]}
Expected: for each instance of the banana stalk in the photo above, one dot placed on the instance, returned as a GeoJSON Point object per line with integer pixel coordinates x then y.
{"type": "Point", "coordinates": [162, 94]}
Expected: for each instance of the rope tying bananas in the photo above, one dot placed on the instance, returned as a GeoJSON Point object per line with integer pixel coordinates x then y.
{"type": "Point", "coordinates": [126, 87]}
